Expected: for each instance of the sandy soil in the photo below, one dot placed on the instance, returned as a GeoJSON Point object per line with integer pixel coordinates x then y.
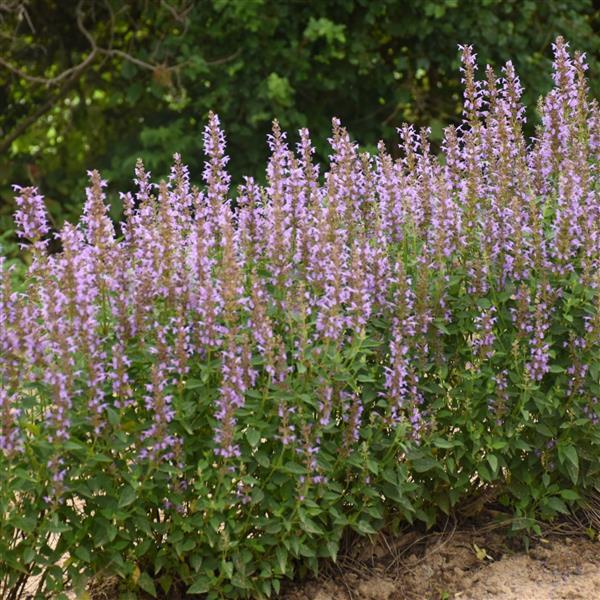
{"type": "Point", "coordinates": [559, 570]}
{"type": "Point", "coordinates": [466, 566]}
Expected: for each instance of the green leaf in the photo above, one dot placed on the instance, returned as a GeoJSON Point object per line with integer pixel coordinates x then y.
{"type": "Point", "coordinates": [55, 526]}
{"type": "Point", "coordinates": [253, 437]}
{"type": "Point", "coordinates": [444, 443]}
{"type": "Point", "coordinates": [28, 555]}
{"type": "Point", "coordinates": [166, 581]}
{"type": "Point", "coordinates": [571, 454]}
{"type": "Point", "coordinates": [196, 561]}
{"type": "Point", "coordinates": [373, 466]}
{"type": "Point", "coordinates": [544, 430]}
{"type": "Point", "coordinates": [200, 586]}
{"type": "Point", "coordinates": [522, 445]}
{"type": "Point", "coordinates": [365, 528]}
{"type": "Point", "coordinates": [295, 468]}
{"type": "Point", "coordinates": [282, 558]}
{"type": "Point", "coordinates": [82, 553]}
{"type": "Point", "coordinates": [280, 90]}
{"type": "Point", "coordinates": [422, 465]}
{"type": "Point", "coordinates": [573, 471]}
{"type": "Point", "coordinates": [557, 505]}
{"type": "Point", "coordinates": [127, 497]}
{"type": "Point", "coordinates": [443, 501]}
{"type": "Point", "coordinates": [366, 378]}
{"type": "Point", "coordinates": [484, 473]}
{"type": "Point", "coordinates": [570, 495]}
{"type": "Point", "coordinates": [498, 444]}
{"type": "Point", "coordinates": [192, 384]}
{"type": "Point", "coordinates": [493, 462]}
{"type": "Point", "coordinates": [113, 416]}
{"type": "Point", "coordinates": [26, 524]}
{"type": "Point", "coordinates": [262, 458]}
{"type": "Point", "coordinates": [72, 445]}
{"type": "Point", "coordinates": [309, 525]}
{"type": "Point", "coordinates": [227, 568]}
{"type": "Point", "coordinates": [441, 326]}
{"type": "Point", "coordinates": [332, 550]}
{"type": "Point", "coordinates": [145, 582]}
{"type": "Point", "coordinates": [185, 546]}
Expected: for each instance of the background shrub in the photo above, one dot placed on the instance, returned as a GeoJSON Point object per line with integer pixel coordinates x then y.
{"type": "Point", "coordinates": [159, 67]}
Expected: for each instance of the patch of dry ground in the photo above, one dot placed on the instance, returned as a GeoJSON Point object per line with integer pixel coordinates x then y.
{"type": "Point", "coordinates": [463, 566]}
{"type": "Point", "coordinates": [566, 570]}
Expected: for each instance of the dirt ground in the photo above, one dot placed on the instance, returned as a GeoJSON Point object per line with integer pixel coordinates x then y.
{"type": "Point", "coordinates": [463, 565]}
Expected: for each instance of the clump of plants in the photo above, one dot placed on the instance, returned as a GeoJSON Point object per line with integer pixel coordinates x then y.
{"type": "Point", "coordinates": [210, 399]}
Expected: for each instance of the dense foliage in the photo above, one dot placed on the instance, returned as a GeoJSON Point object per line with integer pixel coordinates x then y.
{"type": "Point", "coordinates": [92, 84]}
{"type": "Point", "coordinates": [209, 401]}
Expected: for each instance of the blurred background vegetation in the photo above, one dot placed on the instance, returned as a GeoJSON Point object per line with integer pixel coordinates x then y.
{"type": "Point", "coordinates": [97, 83]}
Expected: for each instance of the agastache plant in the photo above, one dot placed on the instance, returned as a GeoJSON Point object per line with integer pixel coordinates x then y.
{"type": "Point", "coordinates": [245, 373]}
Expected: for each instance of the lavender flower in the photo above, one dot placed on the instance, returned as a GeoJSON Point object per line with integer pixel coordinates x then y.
{"type": "Point", "coordinates": [31, 216]}
{"type": "Point", "coordinates": [484, 337]}
{"type": "Point", "coordinates": [353, 409]}
{"type": "Point", "coordinates": [538, 365]}
{"type": "Point", "coordinates": [100, 231]}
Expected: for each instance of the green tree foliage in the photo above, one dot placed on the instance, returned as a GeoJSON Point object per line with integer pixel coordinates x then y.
{"type": "Point", "coordinates": [96, 84]}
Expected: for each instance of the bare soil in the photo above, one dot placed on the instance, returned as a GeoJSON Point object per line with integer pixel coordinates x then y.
{"type": "Point", "coordinates": [477, 564]}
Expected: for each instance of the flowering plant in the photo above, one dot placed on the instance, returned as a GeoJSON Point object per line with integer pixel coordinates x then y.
{"type": "Point", "coordinates": [209, 398]}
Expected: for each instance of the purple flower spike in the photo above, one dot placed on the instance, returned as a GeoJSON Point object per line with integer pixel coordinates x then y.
{"type": "Point", "coordinates": [31, 216]}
